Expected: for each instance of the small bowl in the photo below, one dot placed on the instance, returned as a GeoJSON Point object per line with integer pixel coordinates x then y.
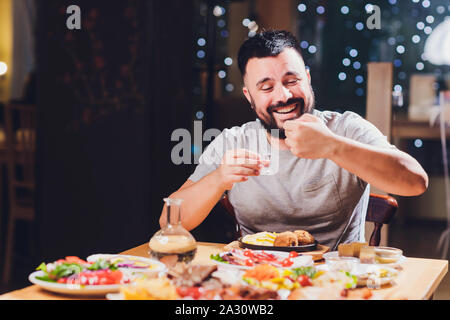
{"type": "Point", "coordinates": [335, 262]}
{"type": "Point", "coordinates": [387, 255]}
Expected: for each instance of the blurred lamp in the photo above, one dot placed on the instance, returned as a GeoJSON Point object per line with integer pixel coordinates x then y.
{"type": "Point", "coordinates": [437, 46]}
{"type": "Point", "coordinates": [3, 68]}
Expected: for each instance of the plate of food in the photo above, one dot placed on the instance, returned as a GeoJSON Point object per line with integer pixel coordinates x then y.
{"type": "Point", "coordinates": [261, 282]}
{"type": "Point", "coordinates": [298, 240]}
{"type": "Point", "coordinates": [248, 258]}
{"type": "Point", "coordinates": [375, 276]}
{"type": "Point", "coordinates": [99, 276]}
{"type": "Point", "coordinates": [368, 275]}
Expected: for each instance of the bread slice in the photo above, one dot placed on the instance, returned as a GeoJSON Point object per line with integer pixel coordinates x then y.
{"type": "Point", "coordinates": [345, 250]}
{"type": "Point", "coordinates": [352, 249]}
{"type": "Point", "coordinates": [357, 248]}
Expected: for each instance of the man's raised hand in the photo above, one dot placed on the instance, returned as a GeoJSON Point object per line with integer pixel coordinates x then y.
{"type": "Point", "coordinates": [308, 137]}
{"type": "Point", "coordinates": [237, 165]}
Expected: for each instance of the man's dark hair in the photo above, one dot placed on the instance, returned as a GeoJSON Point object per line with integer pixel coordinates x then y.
{"type": "Point", "coordinates": [266, 44]}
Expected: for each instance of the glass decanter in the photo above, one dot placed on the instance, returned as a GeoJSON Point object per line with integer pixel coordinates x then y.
{"type": "Point", "coordinates": [173, 243]}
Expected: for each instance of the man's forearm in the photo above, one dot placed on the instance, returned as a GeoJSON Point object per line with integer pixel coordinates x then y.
{"type": "Point", "coordinates": [389, 170]}
{"type": "Point", "coordinates": [199, 199]}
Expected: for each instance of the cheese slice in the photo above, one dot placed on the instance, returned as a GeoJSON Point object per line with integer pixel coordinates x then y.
{"type": "Point", "coordinates": [261, 238]}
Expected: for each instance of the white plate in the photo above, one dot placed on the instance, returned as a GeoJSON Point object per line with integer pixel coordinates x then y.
{"type": "Point", "coordinates": [299, 261]}
{"type": "Point", "coordinates": [95, 257]}
{"type": "Point", "coordinates": [155, 266]}
{"type": "Point", "coordinates": [371, 281]}
{"type": "Point", "coordinates": [86, 290]}
{"type": "Point", "coordinates": [72, 289]}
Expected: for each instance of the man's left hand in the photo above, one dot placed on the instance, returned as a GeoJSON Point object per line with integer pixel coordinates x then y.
{"type": "Point", "coordinates": [309, 137]}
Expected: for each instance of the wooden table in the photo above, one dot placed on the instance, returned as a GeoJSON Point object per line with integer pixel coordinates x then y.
{"type": "Point", "coordinates": [414, 129]}
{"type": "Point", "coordinates": [419, 279]}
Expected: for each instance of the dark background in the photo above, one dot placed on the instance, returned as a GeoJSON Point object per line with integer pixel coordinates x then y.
{"type": "Point", "coordinates": [104, 164]}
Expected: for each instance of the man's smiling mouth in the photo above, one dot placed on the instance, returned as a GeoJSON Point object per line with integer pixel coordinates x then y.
{"type": "Point", "coordinates": [294, 105]}
{"type": "Point", "coordinates": [287, 109]}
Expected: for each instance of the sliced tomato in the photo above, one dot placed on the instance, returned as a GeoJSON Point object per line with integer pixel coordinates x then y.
{"type": "Point", "coordinates": [293, 254]}
{"type": "Point", "coordinates": [182, 291]}
{"type": "Point", "coordinates": [248, 253]}
{"type": "Point", "coordinates": [287, 262]}
{"type": "Point", "coordinates": [97, 277]}
{"type": "Point", "coordinates": [117, 275]}
{"type": "Point", "coordinates": [304, 281]}
{"type": "Point", "coordinates": [194, 292]}
{"type": "Point", "coordinates": [249, 263]}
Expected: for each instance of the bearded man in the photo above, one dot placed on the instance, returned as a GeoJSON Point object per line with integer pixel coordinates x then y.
{"type": "Point", "coordinates": [321, 165]}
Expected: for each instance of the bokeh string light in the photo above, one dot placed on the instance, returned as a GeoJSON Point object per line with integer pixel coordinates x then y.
{"type": "Point", "coordinates": [405, 27]}
{"type": "Point", "coordinates": [336, 43]}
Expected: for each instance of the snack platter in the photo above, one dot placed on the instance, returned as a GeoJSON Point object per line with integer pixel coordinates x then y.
{"type": "Point", "coordinates": [302, 248]}
{"type": "Point", "coordinates": [298, 240]}
{"type": "Point", "coordinates": [265, 265]}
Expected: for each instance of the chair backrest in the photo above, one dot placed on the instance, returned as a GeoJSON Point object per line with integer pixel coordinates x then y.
{"type": "Point", "coordinates": [380, 211]}
{"type": "Point", "coordinates": [20, 133]}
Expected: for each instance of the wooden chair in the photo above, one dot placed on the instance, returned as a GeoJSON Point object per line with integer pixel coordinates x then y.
{"type": "Point", "coordinates": [20, 131]}
{"type": "Point", "coordinates": [380, 211]}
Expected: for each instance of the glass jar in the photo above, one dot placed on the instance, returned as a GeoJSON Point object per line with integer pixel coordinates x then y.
{"type": "Point", "coordinates": [173, 243]}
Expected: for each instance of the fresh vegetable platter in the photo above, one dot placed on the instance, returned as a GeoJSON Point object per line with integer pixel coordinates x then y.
{"type": "Point", "coordinates": [98, 275]}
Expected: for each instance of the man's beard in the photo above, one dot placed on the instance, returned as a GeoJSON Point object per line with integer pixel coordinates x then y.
{"type": "Point", "coordinates": [271, 125]}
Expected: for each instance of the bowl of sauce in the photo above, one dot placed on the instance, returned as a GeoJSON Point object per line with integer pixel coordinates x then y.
{"type": "Point", "coordinates": [386, 255]}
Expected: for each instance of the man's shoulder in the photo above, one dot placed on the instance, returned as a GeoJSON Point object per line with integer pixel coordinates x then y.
{"type": "Point", "coordinates": [334, 116]}
{"type": "Point", "coordinates": [352, 125]}
{"type": "Point", "coordinates": [341, 122]}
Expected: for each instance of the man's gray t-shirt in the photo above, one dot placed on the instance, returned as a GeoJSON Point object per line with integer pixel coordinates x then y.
{"type": "Point", "coordinates": [314, 195]}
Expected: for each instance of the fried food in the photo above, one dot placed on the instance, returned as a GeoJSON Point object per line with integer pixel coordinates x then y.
{"type": "Point", "coordinates": [357, 248]}
{"type": "Point", "coordinates": [345, 250]}
{"type": "Point", "coordinates": [152, 289]}
{"type": "Point", "coordinates": [286, 239]}
{"type": "Point", "coordinates": [304, 237]}
{"type": "Point", "coordinates": [190, 275]}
